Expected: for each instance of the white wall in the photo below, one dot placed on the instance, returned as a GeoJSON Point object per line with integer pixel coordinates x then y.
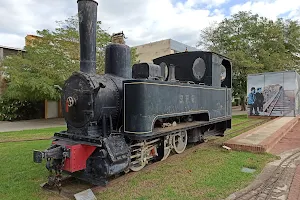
{"type": "Point", "coordinates": [52, 109]}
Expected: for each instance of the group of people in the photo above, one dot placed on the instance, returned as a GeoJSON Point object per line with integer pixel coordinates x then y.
{"type": "Point", "coordinates": [255, 101]}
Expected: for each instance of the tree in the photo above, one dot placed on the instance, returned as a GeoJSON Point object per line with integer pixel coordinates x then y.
{"type": "Point", "coordinates": [254, 44]}
{"type": "Point", "coordinates": [134, 56]}
{"type": "Point", "coordinates": [49, 61]}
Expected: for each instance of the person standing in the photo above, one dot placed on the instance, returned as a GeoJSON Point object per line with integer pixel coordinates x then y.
{"type": "Point", "coordinates": [260, 99]}
{"type": "Point", "coordinates": [252, 102]}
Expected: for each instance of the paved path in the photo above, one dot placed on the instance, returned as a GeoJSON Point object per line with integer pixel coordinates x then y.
{"type": "Point", "coordinates": [236, 110]}
{"type": "Point", "coordinates": [31, 124]}
{"type": "Point", "coordinates": [288, 143]}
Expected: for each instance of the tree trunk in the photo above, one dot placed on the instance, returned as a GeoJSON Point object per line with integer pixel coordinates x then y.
{"type": "Point", "coordinates": [243, 104]}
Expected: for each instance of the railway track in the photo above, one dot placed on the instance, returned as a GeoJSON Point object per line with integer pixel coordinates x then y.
{"type": "Point", "coordinates": [71, 183]}
{"type": "Point", "coordinates": [274, 186]}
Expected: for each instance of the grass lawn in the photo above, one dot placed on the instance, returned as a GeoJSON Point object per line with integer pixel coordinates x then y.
{"type": "Point", "coordinates": [29, 134]}
{"type": "Point", "coordinates": [20, 177]}
{"type": "Point", "coordinates": [210, 172]}
{"type": "Point", "coordinates": [240, 119]}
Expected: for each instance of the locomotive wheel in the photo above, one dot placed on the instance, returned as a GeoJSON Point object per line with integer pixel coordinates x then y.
{"type": "Point", "coordinates": [167, 147]}
{"type": "Point", "coordinates": [140, 160]}
{"type": "Point", "coordinates": [138, 166]}
{"type": "Point", "coordinates": [138, 157]}
{"type": "Point", "coordinates": [180, 141]}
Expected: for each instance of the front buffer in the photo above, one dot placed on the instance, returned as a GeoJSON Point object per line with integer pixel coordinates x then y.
{"type": "Point", "coordinates": [73, 157]}
{"type": "Point", "coordinates": [85, 161]}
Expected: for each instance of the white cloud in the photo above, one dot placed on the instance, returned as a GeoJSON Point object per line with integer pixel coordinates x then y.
{"type": "Point", "coordinates": [208, 3]}
{"type": "Point", "coordinates": [270, 9]}
{"type": "Point", "coordinates": [11, 40]}
{"type": "Point", "coordinates": [19, 18]}
{"type": "Point", "coordinates": [142, 21]}
{"type": "Point", "coordinates": [295, 14]}
{"type": "Point", "coordinates": [160, 19]}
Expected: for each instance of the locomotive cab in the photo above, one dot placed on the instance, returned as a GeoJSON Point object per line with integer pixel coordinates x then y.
{"type": "Point", "coordinates": [199, 67]}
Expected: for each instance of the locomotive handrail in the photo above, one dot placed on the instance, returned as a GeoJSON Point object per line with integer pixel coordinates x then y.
{"type": "Point", "coordinates": [57, 87]}
{"type": "Point", "coordinates": [275, 101]}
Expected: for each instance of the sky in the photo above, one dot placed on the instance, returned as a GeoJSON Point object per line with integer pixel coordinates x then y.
{"type": "Point", "coordinates": [142, 21]}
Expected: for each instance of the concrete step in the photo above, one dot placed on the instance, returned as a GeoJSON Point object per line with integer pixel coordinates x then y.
{"type": "Point", "coordinates": [264, 137]}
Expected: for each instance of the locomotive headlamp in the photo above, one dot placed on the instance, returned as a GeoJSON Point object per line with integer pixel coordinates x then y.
{"type": "Point", "coordinates": [71, 101]}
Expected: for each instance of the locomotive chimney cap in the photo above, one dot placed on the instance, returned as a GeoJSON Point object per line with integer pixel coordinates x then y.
{"type": "Point", "coordinates": [96, 1]}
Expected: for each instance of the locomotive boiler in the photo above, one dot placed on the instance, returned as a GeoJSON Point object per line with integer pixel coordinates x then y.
{"type": "Point", "coordinates": [133, 115]}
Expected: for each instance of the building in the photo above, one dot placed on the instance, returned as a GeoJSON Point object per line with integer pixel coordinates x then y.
{"type": "Point", "coordinates": [147, 52]}
{"type": "Point", "coordinates": [52, 109]}
{"type": "Point", "coordinates": [30, 38]}
{"type": "Point", "coordinates": [7, 51]}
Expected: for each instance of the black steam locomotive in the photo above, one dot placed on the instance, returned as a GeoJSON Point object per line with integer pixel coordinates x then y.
{"type": "Point", "coordinates": [130, 116]}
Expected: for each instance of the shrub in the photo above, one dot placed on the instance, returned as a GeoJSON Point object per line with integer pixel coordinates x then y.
{"type": "Point", "coordinates": [11, 110]}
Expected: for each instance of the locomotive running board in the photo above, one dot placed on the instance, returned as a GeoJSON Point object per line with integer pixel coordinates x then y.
{"type": "Point", "coordinates": [173, 129]}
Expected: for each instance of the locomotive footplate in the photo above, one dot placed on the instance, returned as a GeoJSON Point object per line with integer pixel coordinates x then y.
{"type": "Point", "coordinates": [173, 129]}
{"type": "Point", "coordinates": [80, 138]}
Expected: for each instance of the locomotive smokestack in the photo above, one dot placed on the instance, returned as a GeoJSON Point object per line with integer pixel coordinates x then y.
{"type": "Point", "coordinates": [87, 13]}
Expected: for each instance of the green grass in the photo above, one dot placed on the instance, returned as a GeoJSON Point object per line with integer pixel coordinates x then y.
{"type": "Point", "coordinates": [29, 134]}
{"type": "Point", "coordinates": [240, 119]}
{"type": "Point", "coordinates": [210, 172]}
{"type": "Point", "coordinates": [20, 177]}
{"type": "Point", "coordinates": [240, 128]}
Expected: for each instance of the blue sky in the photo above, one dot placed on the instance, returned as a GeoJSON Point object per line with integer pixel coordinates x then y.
{"type": "Point", "coordinates": [142, 21]}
